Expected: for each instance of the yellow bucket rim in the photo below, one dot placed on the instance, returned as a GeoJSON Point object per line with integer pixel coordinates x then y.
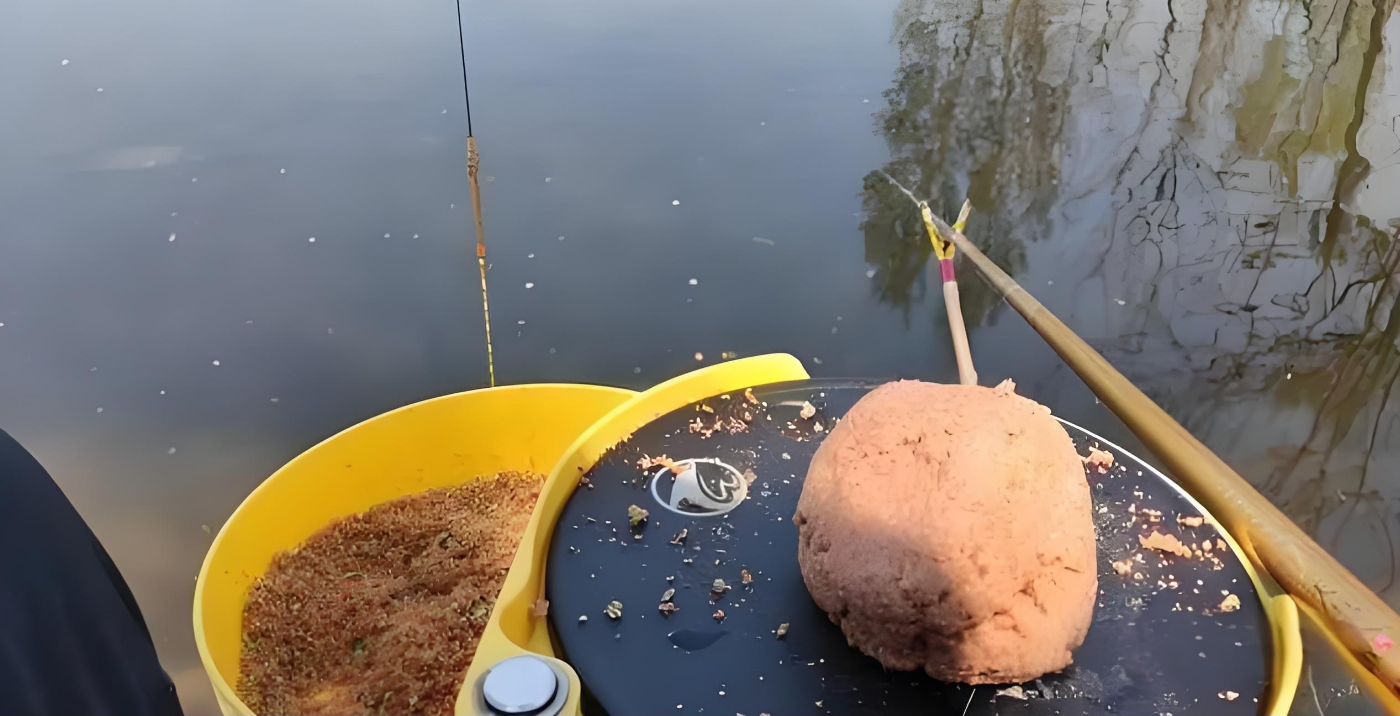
{"type": "Point", "coordinates": [583, 403]}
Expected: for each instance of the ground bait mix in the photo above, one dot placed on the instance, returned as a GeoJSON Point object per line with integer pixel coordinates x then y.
{"type": "Point", "coordinates": [381, 612]}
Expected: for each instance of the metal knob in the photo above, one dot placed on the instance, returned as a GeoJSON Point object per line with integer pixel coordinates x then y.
{"type": "Point", "coordinates": [520, 685]}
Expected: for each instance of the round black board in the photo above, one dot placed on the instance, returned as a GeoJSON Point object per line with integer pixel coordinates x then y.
{"type": "Point", "coordinates": [1160, 641]}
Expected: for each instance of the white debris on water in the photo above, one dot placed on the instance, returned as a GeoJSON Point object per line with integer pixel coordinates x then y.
{"type": "Point", "coordinates": [216, 363]}
{"type": "Point", "coordinates": [162, 392]}
{"type": "Point", "coordinates": [865, 101]}
{"type": "Point", "coordinates": [386, 236]}
{"type": "Point", "coordinates": [65, 62]}
{"type": "Point", "coordinates": [520, 322]}
{"type": "Point", "coordinates": [529, 284]}
{"type": "Point", "coordinates": [99, 89]}
{"type": "Point", "coordinates": [172, 238]}
{"type": "Point", "coordinates": [415, 236]}
{"type": "Point", "coordinates": [548, 180]}
{"type": "Point", "coordinates": [444, 111]}
{"type": "Point", "coordinates": [276, 400]}
{"type": "Point", "coordinates": [870, 273]}
{"type": "Point", "coordinates": [1120, 302]}
{"type": "Point", "coordinates": [675, 202]}
{"type": "Point", "coordinates": [638, 369]}
{"type": "Point", "coordinates": [312, 240]}
{"type": "Point", "coordinates": [694, 282]}
{"type": "Point", "coordinates": [761, 240]}
{"type": "Point", "coordinates": [283, 171]}
{"type": "Point", "coordinates": [194, 180]}
{"type": "Point", "coordinates": [561, 238]}
{"type": "Point", "coordinates": [699, 355]}
{"type": "Point", "coordinates": [530, 256]}
{"type": "Point", "coordinates": [171, 451]}
{"type": "Point", "coordinates": [762, 124]}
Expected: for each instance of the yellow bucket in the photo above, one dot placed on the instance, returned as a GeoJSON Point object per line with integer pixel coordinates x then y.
{"type": "Point", "coordinates": [438, 442]}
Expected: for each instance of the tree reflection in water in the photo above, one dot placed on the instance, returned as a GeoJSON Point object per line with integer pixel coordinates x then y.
{"type": "Point", "coordinates": [1205, 191]}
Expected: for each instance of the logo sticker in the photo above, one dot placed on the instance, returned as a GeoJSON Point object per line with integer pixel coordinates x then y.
{"type": "Point", "coordinates": [706, 488]}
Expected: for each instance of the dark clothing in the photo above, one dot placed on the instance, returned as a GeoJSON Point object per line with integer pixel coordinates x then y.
{"type": "Point", "coordinates": [72, 640]}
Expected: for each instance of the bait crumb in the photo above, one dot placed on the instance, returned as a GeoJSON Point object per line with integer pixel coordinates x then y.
{"type": "Point", "coordinates": [782, 630]}
{"type": "Point", "coordinates": [718, 615]}
{"type": "Point", "coordinates": [719, 587]}
{"type": "Point", "coordinates": [680, 536]}
{"type": "Point", "coordinates": [613, 610]}
{"type": "Point", "coordinates": [646, 463]}
{"type": "Point", "coordinates": [582, 618]}
{"type": "Point", "coordinates": [1165, 543]}
{"type": "Point", "coordinates": [1230, 603]}
{"type": "Point", "coordinates": [1101, 460]}
{"type": "Point", "coordinates": [668, 608]}
{"type": "Point", "coordinates": [808, 410]}
{"type": "Point", "coordinates": [1228, 695]}
{"type": "Point", "coordinates": [745, 576]}
{"type": "Point", "coordinates": [381, 612]}
{"type": "Point", "coordinates": [749, 396]}
{"type": "Point", "coordinates": [636, 516]}
{"type": "Point", "coordinates": [1123, 567]}
{"type": "Point", "coordinates": [1185, 521]}
{"type": "Point", "coordinates": [667, 595]}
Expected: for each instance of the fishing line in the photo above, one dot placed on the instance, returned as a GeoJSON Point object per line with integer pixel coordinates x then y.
{"type": "Point", "coordinates": [473, 165]}
{"type": "Point", "coordinates": [462, 45]}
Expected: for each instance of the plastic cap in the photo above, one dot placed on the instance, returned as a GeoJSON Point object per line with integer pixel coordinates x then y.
{"type": "Point", "coordinates": [520, 684]}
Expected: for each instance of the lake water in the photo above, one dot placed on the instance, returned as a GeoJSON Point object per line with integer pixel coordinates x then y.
{"type": "Point", "coordinates": [1208, 192]}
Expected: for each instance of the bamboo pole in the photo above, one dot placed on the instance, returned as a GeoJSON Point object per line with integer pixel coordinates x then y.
{"type": "Point", "coordinates": [1354, 613]}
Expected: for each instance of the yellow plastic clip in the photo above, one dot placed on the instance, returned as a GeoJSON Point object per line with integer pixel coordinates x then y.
{"type": "Point", "coordinates": [942, 248]}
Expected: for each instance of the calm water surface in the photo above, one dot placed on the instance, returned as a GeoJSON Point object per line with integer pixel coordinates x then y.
{"type": "Point", "coordinates": [1209, 192]}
